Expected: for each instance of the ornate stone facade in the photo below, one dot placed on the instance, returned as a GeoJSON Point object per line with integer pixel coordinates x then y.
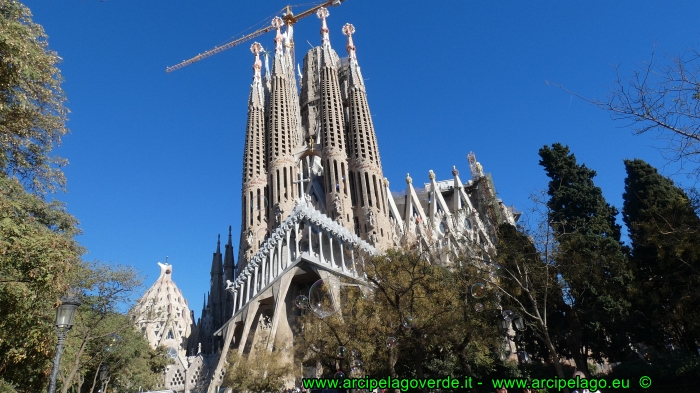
{"type": "Point", "coordinates": [164, 317]}
{"type": "Point", "coordinates": [315, 202]}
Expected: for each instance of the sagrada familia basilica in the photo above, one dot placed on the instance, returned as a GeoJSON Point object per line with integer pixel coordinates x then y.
{"type": "Point", "coordinates": [314, 204]}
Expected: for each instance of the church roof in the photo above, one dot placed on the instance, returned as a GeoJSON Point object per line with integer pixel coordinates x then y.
{"type": "Point", "coordinates": [162, 313]}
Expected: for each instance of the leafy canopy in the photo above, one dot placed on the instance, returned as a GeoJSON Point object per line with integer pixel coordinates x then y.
{"type": "Point", "coordinates": [39, 259]}
{"type": "Point", "coordinates": [446, 335]}
{"type": "Point", "coordinates": [32, 111]}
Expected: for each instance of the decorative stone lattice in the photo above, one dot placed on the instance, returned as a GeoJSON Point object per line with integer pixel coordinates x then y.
{"type": "Point", "coordinates": [178, 379]}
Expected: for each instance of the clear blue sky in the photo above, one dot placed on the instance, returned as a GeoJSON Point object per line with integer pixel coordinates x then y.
{"type": "Point", "coordinates": [156, 158]}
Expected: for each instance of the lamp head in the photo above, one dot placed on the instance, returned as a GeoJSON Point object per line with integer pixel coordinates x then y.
{"type": "Point", "coordinates": [519, 322]}
{"type": "Point", "coordinates": [66, 311]}
{"type": "Point", "coordinates": [104, 373]}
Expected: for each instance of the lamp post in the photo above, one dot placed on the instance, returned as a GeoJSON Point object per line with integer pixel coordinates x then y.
{"type": "Point", "coordinates": [104, 376]}
{"type": "Point", "coordinates": [510, 318]}
{"type": "Point", "coordinates": [64, 322]}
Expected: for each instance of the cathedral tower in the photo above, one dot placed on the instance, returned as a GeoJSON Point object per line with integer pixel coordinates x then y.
{"type": "Point", "coordinates": [255, 191]}
{"type": "Point", "coordinates": [229, 275]}
{"type": "Point", "coordinates": [217, 293]}
{"type": "Point", "coordinates": [281, 130]}
{"type": "Point", "coordinates": [365, 174]}
{"type": "Point", "coordinates": [332, 131]}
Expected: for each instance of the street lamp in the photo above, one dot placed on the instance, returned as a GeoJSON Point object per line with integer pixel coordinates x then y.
{"type": "Point", "coordinates": [64, 322]}
{"type": "Point", "coordinates": [519, 322]}
{"type": "Point", "coordinates": [104, 376]}
{"type": "Point", "coordinates": [516, 321]}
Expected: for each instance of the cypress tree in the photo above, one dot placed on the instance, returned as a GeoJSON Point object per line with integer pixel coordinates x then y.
{"type": "Point", "coordinates": [591, 261]}
{"type": "Point", "coordinates": [663, 230]}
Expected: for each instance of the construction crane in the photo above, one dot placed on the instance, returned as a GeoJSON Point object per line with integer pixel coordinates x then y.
{"type": "Point", "coordinates": [289, 19]}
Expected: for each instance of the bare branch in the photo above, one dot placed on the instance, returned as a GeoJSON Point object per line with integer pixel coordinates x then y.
{"type": "Point", "coordinates": [662, 97]}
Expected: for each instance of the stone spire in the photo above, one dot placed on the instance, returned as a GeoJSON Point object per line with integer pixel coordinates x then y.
{"type": "Point", "coordinates": [369, 195]}
{"type": "Point", "coordinates": [297, 133]}
{"type": "Point", "coordinates": [229, 264]}
{"type": "Point", "coordinates": [334, 157]}
{"type": "Point", "coordinates": [216, 292]}
{"type": "Point", "coordinates": [229, 274]}
{"type": "Point", "coordinates": [254, 198]}
{"type": "Point", "coordinates": [322, 14]}
{"type": "Point", "coordinates": [216, 264]}
{"type": "Point", "coordinates": [280, 137]}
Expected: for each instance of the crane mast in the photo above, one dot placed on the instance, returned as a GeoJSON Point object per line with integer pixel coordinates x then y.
{"type": "Point", "coordinates": [288, 18]}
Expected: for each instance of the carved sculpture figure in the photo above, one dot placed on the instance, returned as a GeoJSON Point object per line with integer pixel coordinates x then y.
{"type": "Point", "coordinates": [338, 205]}
{"type": "Point", "coordinates": [373, 238]}
{"type": "Point", "coordinates": [278, 214]}
{"type": "Point", "coordinates": [249, 239]}
{"type": "Point", "coordinates": [371, 219]}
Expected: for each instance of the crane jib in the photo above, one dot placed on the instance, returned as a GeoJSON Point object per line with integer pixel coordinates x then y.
{"type": "Point", "coordinates": [289, 18]}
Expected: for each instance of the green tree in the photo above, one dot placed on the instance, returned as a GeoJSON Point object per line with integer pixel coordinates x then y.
{"type": "Point", "coordinates": [38, 253]}
{"type": "Point", "coordinates": [591, 260]}
{"type": "Point", "coordinates": [259, 371]}
{"type": "Point", "coordinates": [32, 111]}
{"type": "Point", "coordinates": [529, 281]}
{"type": "Point", "coordinates": [38, 258]}
{"type": "Point", "coordinates": [99, 322]}
{"type": "Point", "coordinates": [128, 357]}
{"type": "Point", "coordinates": [663, 229]}
{"type": "Point", "coordinates": [412, 298]}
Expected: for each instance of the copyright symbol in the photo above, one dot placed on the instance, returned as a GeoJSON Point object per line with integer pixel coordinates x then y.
{"type": "Point", "coordinates": [644, 382]}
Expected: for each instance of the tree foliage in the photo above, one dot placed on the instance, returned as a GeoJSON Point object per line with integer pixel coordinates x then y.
{"type": "Point", "coordinates": [259, 371]}
{"type": "Point", "coordinates": [665, 239]}
{"type": "Point", "coordinates": [422, 305]}
{"type": "Point", "coordinates": [590, 258]}
{"type": "Point", "coordinates": [125, 353]}
{"type": "Point", "coordinates": [532, 288]}
{"type": "Point", "coordinates": [32, 111]}
{"type": "Point", "coordinates": [103, 335]}
{"type": "Point", "coordinates": [39, 258]}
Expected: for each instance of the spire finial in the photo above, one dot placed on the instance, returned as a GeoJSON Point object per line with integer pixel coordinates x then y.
{"type": "Point", "coordinates": [322, 14]}
{"type": "Point", "coordinates": [256, 48]}
{"type": "Point", "coordinates": [277, 23]}
{"type": "Point", "coordinates": [408, 179]}
{"type": "Point", "coordinates": [349, 30]}
{"type": "Point", "coordinates": [266, 53]}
